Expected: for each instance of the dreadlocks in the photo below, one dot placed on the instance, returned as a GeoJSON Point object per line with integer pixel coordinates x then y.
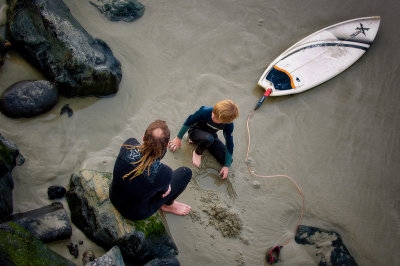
{"type": "Point", "coordinates": [154, 145]}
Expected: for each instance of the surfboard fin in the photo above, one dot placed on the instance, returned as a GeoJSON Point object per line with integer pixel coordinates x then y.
{"type": "Point", "coordinates": [262, 99]}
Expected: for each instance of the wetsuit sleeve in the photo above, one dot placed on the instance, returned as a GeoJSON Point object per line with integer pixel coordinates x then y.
{"type": "Point", "coordinates": [204, 113]}
{"type": "Point", "coordinates": [228, 131]}
{"type": "Point", "coordinates": [182, 132]}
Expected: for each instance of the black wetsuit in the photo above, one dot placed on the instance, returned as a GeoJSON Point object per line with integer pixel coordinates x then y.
{"type": "Point", "coordinates": [141, 197]}
{"type": "Point", "coordinates": [203, 130]}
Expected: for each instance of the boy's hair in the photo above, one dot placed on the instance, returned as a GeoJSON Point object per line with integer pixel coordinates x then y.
{"type": "Point", "coordinates": [226, 111]}
{"type": "Point", "coordinates": [153, 147]}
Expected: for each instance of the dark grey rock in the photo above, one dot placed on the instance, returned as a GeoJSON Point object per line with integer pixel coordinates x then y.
{"type": "Point", "coordinates": [49, 223]}
{"type": "Point", "coordinates": [4, 46]}
{"type": "Point", "coordinates": [6, 201]}
{"type": "Point", "coordinates": [93, 213]}
{"type": "Point", "coordinates": [113, 257]}
{"type": "Point", "coordinates": [163, 262]}
{"type": "Point", "coordinates": [56, 192]}
{"type": "Point", "coordinates": [88, 256]}
{"type": "Point", "coordinates": [328, 245]}
{"type": "Point", "coordinates": [19, 247]}
{"type": "Point", "coordinates": [9, 158]}
{"type": "Point", "coordinates": [73, 249]}
{"type": "Point", "coordinates": [67, 110]}
{"type": "Point", "coordinates": [47, 34]}
{"type": "Point", "coordinates": [116, 10]}
{"type": "Point", "coordinates": [28, 98]}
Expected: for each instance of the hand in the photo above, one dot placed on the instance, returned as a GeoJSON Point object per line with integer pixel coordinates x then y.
{"type": "Point", "coordinates": [174, 144]}
{"type": "Point", "coordinates": [224, 172]}
{"type": "Point", "coordinates": [166, 193]}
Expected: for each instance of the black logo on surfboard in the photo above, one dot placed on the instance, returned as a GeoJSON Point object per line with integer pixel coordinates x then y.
{"type": "Point", "coordinates": [362, 29]}
{"type": "Point", "coordinates": [359, 30]}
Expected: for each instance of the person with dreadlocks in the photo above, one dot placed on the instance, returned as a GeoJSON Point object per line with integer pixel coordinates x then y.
{"type": "Point", "coordinates": [141, 184]}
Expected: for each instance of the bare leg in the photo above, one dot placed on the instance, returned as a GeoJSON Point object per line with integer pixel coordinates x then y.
{"type": "Point", "coordinates": [196, 159]}
{"type": "Point", "coordinates": [177, 208]}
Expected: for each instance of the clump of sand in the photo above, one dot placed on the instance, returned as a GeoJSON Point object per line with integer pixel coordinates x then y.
{"type": "Point", "coordinates": [219, 215]}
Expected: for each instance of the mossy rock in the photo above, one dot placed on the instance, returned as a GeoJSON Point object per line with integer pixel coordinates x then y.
{"type": "Point", "coordinates": [93, 213]}
{"type": "Point", "coordinates": [19, 247]}
{"type": "Point", "coordinates": [152, 226]}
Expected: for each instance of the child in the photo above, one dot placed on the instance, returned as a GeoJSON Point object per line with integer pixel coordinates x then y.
{"type": "Point", "coordinates": [203, 126]}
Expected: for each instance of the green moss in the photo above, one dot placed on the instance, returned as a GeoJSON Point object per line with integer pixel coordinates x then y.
{"type": "Point", "coordinates": [151, 226]}
{"type": "Point", "coordinates": [20, 247]}
{"type": "Point", "coordinates": [107, 175]}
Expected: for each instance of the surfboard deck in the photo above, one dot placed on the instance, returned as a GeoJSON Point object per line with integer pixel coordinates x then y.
{"type": "Point", "coordinates": [320, 56]}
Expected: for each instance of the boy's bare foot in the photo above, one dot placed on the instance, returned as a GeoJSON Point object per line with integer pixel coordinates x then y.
{"type": "Point", "coordinates": [177, 208]}
{"type": "Point", "coordinates": [196, 159]}
{"type": "Point", "coordinates": [190, 141]}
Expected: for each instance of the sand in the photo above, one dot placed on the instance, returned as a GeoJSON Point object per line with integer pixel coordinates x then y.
{"type": "Point", "coordinates": [339, 141]}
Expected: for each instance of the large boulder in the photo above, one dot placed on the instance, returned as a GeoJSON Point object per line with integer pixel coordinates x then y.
{"type": "Point", "coordinates": [116, 10]}
{"type": "Point", "coordinates": [49, 36]}
{"type": "Point", "coordinates": [93, 213]}
{"type": "Point", "coordinates": [19, 247]}
{"type": "Point", "coordinates": [9, 157]}
{"type": "Point", "coordinates": [49, 223]}
{"type": "Point", "coordinates": [28, 98]}
{"type": "Point", "coordinates": [329, 246]}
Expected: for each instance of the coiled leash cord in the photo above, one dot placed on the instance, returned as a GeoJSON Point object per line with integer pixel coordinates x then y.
{"type": "Point", "coordinates": [272, 255]}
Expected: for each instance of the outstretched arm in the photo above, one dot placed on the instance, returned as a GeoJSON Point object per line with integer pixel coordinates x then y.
{"type": "Point", "coordinates": [174, 144]}
{"type": "Point", "coordinates": [224, 172]}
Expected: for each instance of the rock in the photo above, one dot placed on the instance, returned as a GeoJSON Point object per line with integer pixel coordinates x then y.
{"type": "Point", "coordinates": [93, 213]}
{"type": "Point", "coordinates": [73, 249]}
{"type": "Point", "coordinates": [4, 46]}
{"type": "Point", "coordinates": [19, 247]}
{"type": "Point", "coordinates": [328, 245]}
{"type": "Point", "coordinates": [3, 15]}
{"type": "Point", "coordinates": [172, 261]}
{"type": "Point", "coordinates": [9, 157]}
{"type": "Point", "coordinates": [112, 258]}
{"type": "Point", "coordinates": [67, 109]}
{"type": "Point", "coordinates": [49, 223]}
{"type": "Point", "coordinates": [56, 192]}
{"type": "Point", "coordinates": [116, 10]}
{"type": "Point", "coordinates": [88, 256]}
{"type": "Point", "coordinates": [28, 98]}
{"type": "Point", "coordinates": [6, 202]}
{"type": "Point", "coordinates": [47, 34]}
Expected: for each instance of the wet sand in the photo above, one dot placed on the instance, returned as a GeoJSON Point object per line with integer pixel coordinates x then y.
{"type": "Point", "coordinates": [339, 141]}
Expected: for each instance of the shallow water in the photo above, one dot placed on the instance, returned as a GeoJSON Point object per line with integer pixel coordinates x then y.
{"type": "Point", "coordinates": [339, 141]}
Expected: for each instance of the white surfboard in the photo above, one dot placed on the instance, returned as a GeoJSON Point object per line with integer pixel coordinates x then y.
{"type": "Point", "coordinates": [320, 56]}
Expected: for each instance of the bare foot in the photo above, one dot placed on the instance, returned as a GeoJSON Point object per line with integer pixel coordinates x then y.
{"type": "Point", "coordinates": [196, 159]}
{"type": "Point", "coordinates": [177, 208]}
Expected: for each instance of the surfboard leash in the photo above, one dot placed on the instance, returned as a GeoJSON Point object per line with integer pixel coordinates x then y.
{"type": "Point", "coordinates": [272, 255]}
